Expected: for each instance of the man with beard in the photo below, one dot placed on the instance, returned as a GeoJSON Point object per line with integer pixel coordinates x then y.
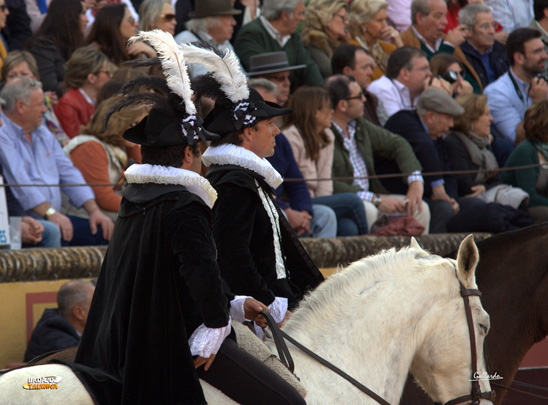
{"type": "Point", "coordinates": [513, 92]}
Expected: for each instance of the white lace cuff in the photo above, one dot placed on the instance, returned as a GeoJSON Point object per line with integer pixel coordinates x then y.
{"type": "Point", "coordinates": [237, 308]}
{"type": "Point", "coordinates": [206, 341]}
{"type": "Point", "coordinates": [278, 308]}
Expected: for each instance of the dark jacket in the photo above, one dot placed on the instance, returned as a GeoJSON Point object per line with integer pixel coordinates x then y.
{"type": "Point", "coordinates": [372, 141]}
{"type": "Point", "coordinates": [245, 240]}
{"type": "Point", "coordinates": [497, 57]}
{"type": "Point", "coordinates": [51, 64]}
{"type": "Point", "coordinates": [159, 281]}
{"type": "Point", "coordinates": [294, 192]}
{"type": "Point", "coordinates": [430, 152]}
{"type": "Point", "coordinates": [52, 332]}
{"type": "Point", "coordinates": [17, 30]}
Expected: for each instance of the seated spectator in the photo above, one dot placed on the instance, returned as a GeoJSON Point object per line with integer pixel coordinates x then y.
{"type": "Point", "coordinates": [468, 148]}
{"type": "Point", "coordinates": [87, 71]}
{"type": "Point", "coordinates": [312, 143]}
{"type": "Point", "coordinates": [513, 92]}
{"type": "Point", "coordinates": [369, 30]}
{"type": "Point", "coordinates": [424, 129]}
{"type": "Point", "coordinates": [17, 30]}
{"type": "Point", "coordinates": [487, 56]}
{"type": "Point", "coordinates": [354, 61]}
{"type": "Point", "coordinates": [102, 155]}
{"type": "Point", "coordinates": [540, 23]}
{"type": "Point", "coordinates": [357, 141]}
{"type": "Point", "coordinates": [61, 33]}
{"type": "Point", "coordinates": [30, 154]}
{"type": "Point", "coordinates": [275, 67]}
{"type": "Point", "coordinates": [213, 23]}
{"type": "Point", "coordinates": [112, 28]}
{"type": "Point", "coordinates": [325, 27]}
{"type": "Point", "coordinates": [275, 31]}
{"type": "Point", "coordinates": [399, 14]}
{"type": "Point", "coordinates": [426, 33]}
{"type": "Point", "coordinates": [62, 327]}
{"type": "Point", "coordinates": [292, 197]}
{"type": "Point", "coordinates": [451, 70]}
{"type": "Point", "coordinates": [532, 151]}
{"type": "Point", "coordinates": [93, 7]}
{"type": "Point", "coordinates": [4, 12]}
{"type": "Point", "coordinates": [22, 64]}
{"type": "Point", "coordinates": [157, 14]}
{"type": "Point", "coordinates": [406, 78]}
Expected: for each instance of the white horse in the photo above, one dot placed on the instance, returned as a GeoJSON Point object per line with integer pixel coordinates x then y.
{"type": "Point", "coordinates": [377, 320]}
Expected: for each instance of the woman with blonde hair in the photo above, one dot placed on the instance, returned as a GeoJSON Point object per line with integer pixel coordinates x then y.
{"type": "Point", "coordinates": [309, 134]}
{"type": "Point", "coordinates": [325, 27]}
{"type": "Point", "coordinates": [368, 28]}
{"type": "Point", "coordinates": [157, 14]}
{"type": "Point", "coordinates": [102, 155]}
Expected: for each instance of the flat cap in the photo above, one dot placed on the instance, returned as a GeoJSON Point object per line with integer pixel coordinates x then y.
{"type": "Point", "coordinates": [437, 100]}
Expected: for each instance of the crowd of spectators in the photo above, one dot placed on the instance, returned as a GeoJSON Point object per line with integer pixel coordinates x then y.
{"type": "Point", "coordinates": [414, 89]}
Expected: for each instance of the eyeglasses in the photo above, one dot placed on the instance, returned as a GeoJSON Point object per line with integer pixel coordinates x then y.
{"type": "Point", "coordinates": [168, 17]}
{"type": "Point", "coordinates": [358, 97]}
{"type": "Point", "coordinates": [342, 17]}
{"type": "Point", "coordinates": [3, 8]}
{"type": "Point", "coordinates": [108, 72]}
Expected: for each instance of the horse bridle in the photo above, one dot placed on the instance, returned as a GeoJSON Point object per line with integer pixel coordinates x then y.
{"type": "Point", "coordinates": [475, 395]}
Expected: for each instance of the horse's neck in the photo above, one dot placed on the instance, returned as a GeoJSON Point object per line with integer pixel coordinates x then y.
{"type": "Point", "coordinates": [375, 344]}
{"type": "Point", "coordinates": [515, 296]}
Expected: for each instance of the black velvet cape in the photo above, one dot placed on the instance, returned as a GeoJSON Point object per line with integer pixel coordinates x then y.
{"type": "Point", "coordinates": [159, 281]}
{"type": "Point", "coordinates": [245, 241]}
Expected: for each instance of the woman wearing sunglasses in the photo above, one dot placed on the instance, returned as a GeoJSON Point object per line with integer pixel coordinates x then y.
{"type": "Point", "coordinates": [157, 14]}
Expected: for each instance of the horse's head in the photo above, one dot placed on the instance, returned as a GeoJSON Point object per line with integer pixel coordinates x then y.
{"type": "Point", "coordinates": [443, 365]}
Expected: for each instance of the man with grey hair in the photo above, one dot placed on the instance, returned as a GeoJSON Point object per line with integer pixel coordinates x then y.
{"type": "Point", "coordinates": [212, 22]}
{"type": "Point", "coordinates": [30, 154]}
{"type": "Point", "coordinates": [275, 31]}
{"type": "Point", "coordinates": [487, 56]}
{"type": "Point", "coordinates": [429, 18]}
{"type": "Point", "coordinates": [423, 129]}
{"type": "Point", "coordinates": [62, 327]}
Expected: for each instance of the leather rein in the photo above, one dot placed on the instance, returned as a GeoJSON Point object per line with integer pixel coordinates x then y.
{"type": "Point", "coordinates": [475, 396]}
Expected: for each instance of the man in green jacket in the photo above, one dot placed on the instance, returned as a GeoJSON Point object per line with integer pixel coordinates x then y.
{"type": "Point", "coordinates": [274, 31]}
{"type": "Point", "coordinates": [356, 143]}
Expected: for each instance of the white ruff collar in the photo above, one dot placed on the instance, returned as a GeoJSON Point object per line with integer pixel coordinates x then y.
{"type": "Point", "coordinates": [230, 154]}
{"type": "Point", "coordinates": [196, 184]}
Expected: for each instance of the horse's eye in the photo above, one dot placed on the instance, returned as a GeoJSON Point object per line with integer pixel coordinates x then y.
{"type": "Point", "coordinates": [483, 328]}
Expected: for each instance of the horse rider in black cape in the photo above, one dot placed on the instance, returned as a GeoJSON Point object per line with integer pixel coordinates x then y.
{"type": "Point", "coordinates": [160, 316]}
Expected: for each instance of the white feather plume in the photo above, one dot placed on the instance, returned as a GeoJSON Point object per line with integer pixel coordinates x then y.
{"type": "Point", "coordinates": [225, 70]}
{"type": "Point", "coordinates": [173, 64]}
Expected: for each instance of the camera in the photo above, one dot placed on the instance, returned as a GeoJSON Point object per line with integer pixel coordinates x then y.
{"type": "Point", "coordinates": [449, 76]}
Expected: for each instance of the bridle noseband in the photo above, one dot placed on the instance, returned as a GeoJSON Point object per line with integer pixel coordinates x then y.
{"type": "Point", "coordinates": [475, 395]}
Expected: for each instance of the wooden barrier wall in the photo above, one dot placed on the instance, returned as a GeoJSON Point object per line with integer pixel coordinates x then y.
{"type": "Point", "coordinates": [30, 278]}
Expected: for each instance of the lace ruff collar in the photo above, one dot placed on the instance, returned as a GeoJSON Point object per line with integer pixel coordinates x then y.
{"type": "Point", "coordinates": [229, 154]}
{"type": "Point", "coordinates": [196, 184]}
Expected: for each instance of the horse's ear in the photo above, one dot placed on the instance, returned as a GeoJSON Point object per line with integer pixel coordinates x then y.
{"type": "Point", "coordinates": [414, 243]}
{"type": "Point", "coordinates": [467, 260]}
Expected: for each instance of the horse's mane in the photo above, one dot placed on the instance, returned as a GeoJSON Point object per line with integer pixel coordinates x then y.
{"type": "Point", "coordinates": [357, 278]}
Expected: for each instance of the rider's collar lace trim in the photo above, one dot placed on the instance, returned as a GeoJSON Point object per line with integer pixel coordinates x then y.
{"type": "Point", "coordinates": [229, 154]}
{"type": "Point", "coordinates": [196, 184]}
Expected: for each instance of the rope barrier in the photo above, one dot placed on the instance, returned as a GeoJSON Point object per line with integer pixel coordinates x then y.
{"type": "Point", "coordinates": [376, 176]}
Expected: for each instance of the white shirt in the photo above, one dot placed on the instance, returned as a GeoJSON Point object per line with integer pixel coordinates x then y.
{"type": "Point", "coordinates": [393, 94]}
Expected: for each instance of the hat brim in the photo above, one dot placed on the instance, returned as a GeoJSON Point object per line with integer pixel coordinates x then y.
{"type": "Point", "coordinates": [221, 122]}
{"type": "Point", "coordinates": [276, 70]}
{"type": "Point", "coordinates": [144, 134]}
{"type": "Point", "coordinates": [194, 14]}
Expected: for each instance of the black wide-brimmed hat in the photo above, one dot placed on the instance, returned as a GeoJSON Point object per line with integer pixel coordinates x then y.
{"type": "Point", "coordinates": [210, 8]}
{"type": "Point", "coordinates": [223, 120]}
{"type": "Point", "coordinates": [161, 129]}
{"type": "Point", "coordinates": [270, 62]}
